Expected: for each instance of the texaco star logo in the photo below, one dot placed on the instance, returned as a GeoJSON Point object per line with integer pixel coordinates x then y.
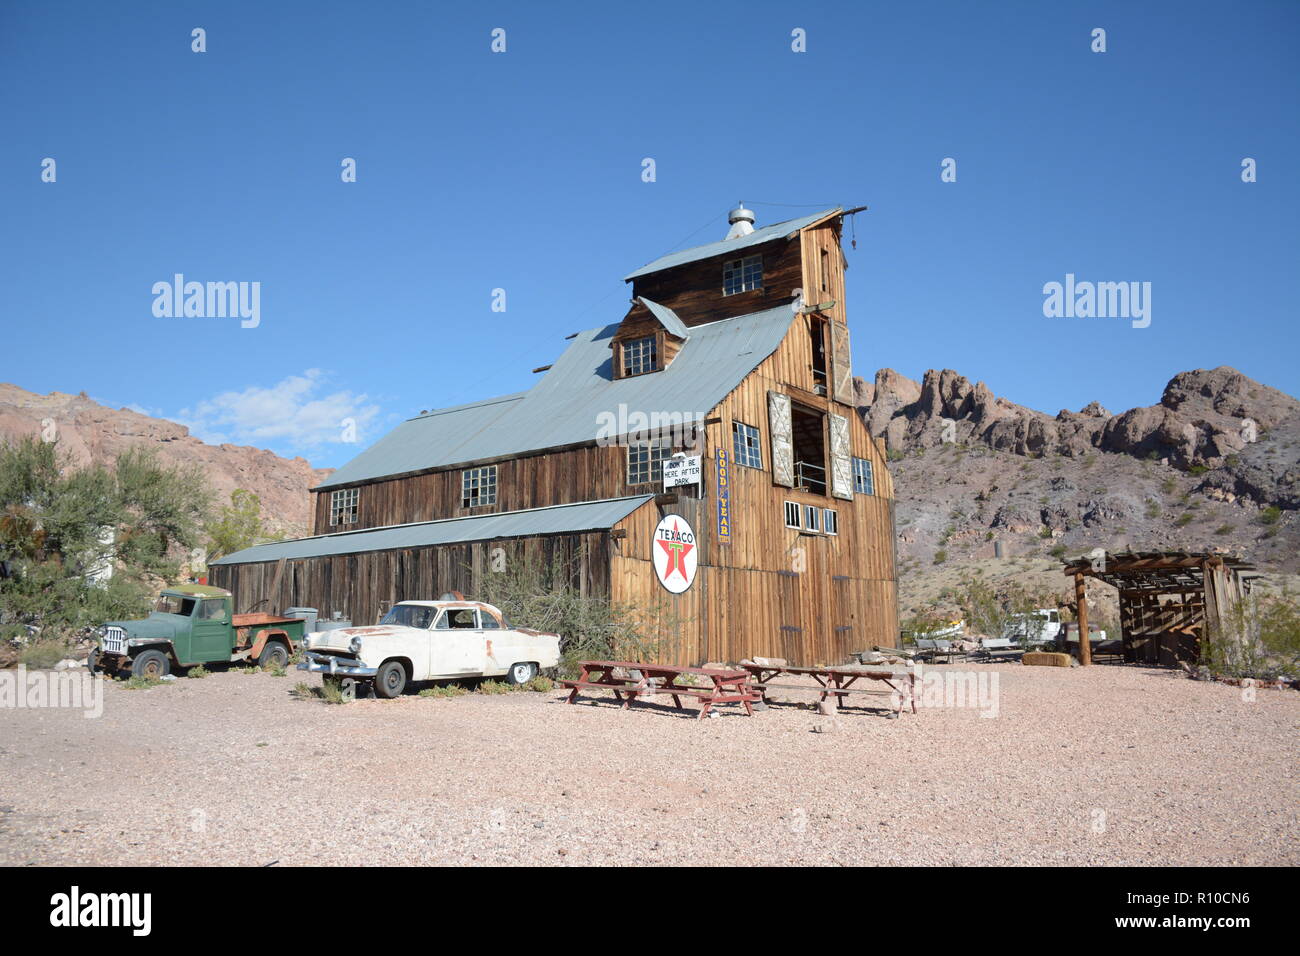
{"type": "Point", "coordinates": [675, 556]}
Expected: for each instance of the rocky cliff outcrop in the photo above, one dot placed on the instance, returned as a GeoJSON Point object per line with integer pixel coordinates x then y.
{"type": "Point", "coordinates": [90, 432]}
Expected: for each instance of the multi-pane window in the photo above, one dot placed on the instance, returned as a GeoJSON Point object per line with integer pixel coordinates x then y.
{"type": "Point", "coordinates": [640, 356]}
{"type": "Point", "coordinates": [343, 506]}
{"type": "Point", "coordinates": [746, 443]}
{"type": "Point", "coordinates": [811, 516]}
{"type": "Point", "coordinates": [478, 486]}
{"type": "Point", "coordinates": [645, 460]}
{"type": "Point", "coordinates": [742, 275]}
{"type": "Point", "coordinates": [830, 521]}
{"type": "Point", "coordinates": [863, 482]}
{"type": "Point", "coordinates": [792, 514]}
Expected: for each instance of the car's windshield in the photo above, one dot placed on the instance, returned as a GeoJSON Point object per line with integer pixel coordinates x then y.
{"type": "Point", "coordinates": [410, 615]}
{"type": "Point", "coordinates": [175, 604]}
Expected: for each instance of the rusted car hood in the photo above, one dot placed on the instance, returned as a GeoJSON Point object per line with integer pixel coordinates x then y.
{"type": "Point", "coordinates": [338, 640]}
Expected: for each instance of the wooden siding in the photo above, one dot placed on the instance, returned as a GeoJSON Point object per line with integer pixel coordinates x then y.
{"type": "Point", "coordinates": [356, 585]}
{"type": "Point", "coordinates": [694, 290]}
{"type": "Point", "coordinates": [533, 481]}
{"type": "Point", "coordinates": [772, 591]}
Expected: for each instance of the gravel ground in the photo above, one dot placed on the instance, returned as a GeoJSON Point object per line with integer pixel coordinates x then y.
{"type": "Point", "coordinates": [1106, 765]}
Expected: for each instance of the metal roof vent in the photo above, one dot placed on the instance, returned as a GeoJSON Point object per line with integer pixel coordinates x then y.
{"type": "Point", "coordinates": [742, 222]}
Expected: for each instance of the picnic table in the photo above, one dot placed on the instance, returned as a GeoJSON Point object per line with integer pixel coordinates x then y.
{"type": "Point", "coordinates": [642, 680]}
{"type": "Point", "coordinates": [837, 682]}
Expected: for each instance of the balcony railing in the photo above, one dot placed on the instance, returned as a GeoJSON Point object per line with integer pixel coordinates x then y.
{"type": "Point", "coordinates": [810, 477]}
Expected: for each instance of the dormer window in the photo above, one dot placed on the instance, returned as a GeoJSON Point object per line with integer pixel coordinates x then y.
{"type": "Point", "coordinates": [640, 356]}
{"type": "Point", "coordinates": [742, 275]}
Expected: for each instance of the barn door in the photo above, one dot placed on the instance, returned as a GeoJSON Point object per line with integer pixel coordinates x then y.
{"type": "Point", "coordinates": [841, 465]}
{"type": "Point", "coordinates": [841, 363]}
{"type": "Point", "coordinates": [778, 426]}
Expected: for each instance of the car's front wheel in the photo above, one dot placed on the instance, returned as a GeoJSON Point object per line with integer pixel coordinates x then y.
{"type": "Point", "coordinates": [390, 680]}
{"type": "Point", "coordinates": [521, 673]}
{"type": "Point", "coordinates": [153, 665]}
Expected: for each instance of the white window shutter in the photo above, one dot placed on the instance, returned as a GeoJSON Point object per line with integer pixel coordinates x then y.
{"type": "Point", "coordinates": [841, 364]}
{"type": "Point", "coordinates": [778, 426]}
{"type": "Point", "coordinates": [841, 461]}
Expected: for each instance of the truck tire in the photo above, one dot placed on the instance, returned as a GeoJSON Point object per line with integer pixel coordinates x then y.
{"type": "Point", "coordinates": [390, 681]}
{"type": "Point", "coordinates": [521, 673]}
{"type": "Point", "coordinates": [274, 653]}
{"type": "Point", "coordinates": [153, 664]}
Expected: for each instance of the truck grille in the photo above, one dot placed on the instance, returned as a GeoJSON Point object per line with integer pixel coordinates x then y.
{"type": "Point", "coordinates": [114, 640]}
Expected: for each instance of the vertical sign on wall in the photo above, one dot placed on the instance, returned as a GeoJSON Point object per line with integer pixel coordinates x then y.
{"type": "Point", "coordinates": [724, 498]}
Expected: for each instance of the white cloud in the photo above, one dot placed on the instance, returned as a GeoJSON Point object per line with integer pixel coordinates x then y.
{"type": "Point", "coordinates": [291, 415]}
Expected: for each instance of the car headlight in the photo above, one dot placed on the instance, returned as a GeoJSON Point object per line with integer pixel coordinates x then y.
{"type": "Point", "coordinates": [306, 640]}
{"type": "Point", "coordinates": [354, 645]}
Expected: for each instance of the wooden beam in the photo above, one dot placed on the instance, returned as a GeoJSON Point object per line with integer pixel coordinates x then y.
{"type": "Point", "coordinates": [1081, 602]}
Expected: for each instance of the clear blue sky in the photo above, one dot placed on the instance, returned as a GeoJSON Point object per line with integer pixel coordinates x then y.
{"type": "Point", "coordinates": [522, 171]}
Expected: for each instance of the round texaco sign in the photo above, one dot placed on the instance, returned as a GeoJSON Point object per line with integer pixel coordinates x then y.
{"type": "Point", "coordinates": [675, 554]}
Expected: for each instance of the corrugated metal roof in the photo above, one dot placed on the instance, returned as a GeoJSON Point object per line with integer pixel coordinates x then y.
{"type": "Point", "coordinates": [667, 318]}
{"type": "Point", "coordinates": [570, 402]}
{"type": "Point", "coordinates": [558, 519]}
{"type": "Point", "coordinates": [777, 230]}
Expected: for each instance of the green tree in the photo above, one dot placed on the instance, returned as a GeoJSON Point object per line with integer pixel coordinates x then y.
{"type": "Point", "coordinates": [61, 528]}
{"type": "Point", "coordinates": [238, 526]}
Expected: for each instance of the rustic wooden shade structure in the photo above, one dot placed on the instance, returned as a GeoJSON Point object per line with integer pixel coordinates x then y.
{"type": "Point", "coordinates": [1167, 599]}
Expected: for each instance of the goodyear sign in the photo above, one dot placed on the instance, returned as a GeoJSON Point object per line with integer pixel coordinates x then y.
{"type": "Point", "coordinates": [724, 496]}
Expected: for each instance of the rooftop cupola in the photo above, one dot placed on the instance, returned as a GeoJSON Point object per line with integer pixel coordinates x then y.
{"type": "Point", "coordinates": [742, 222]}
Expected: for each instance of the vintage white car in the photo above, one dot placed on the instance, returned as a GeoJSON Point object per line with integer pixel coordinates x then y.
{"type": "Point", "coordinates": [430, 640]}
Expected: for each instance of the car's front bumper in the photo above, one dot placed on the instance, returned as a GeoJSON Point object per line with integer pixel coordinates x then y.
{"type": "Point", "coordinates": [334, 664]}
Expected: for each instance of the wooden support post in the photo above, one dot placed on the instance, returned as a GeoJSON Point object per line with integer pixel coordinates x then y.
{"type": "Point", "coordinates": [1081, 601]}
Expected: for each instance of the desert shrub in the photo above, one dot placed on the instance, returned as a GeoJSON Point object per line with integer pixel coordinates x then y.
{"type": "Point", "coordinates": [547, 597]}
{"type": "Point", "coordinates": [1270, 515]}
{"type": "Point", "coordinates": [1183, 519]}
{"type": "Point", "coordinates": [198, 671]}
{"type": "Point", "coordinates": [493, 687]}
{"type": "Point", "coordinates": [1152, 509]}
{"type": "Point", "coordinates": [43, 654]}
{"type": "Point", "coordinates": [1259, 637]}
{"type": "Point", "coordinates": [444, 691]}
{"type": "Point", "coordinates": [940, 556]}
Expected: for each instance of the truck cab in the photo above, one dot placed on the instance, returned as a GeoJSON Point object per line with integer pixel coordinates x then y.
{"type": "Point", "coordinates": [193, 624]}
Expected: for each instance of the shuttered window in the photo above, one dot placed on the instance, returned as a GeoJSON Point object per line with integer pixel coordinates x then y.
{"type": "Point", "coordinates": [780, 431]}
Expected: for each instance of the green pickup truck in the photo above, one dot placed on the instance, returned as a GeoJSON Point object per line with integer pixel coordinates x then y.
{"type": "Point", "coordinates": [194, 624]}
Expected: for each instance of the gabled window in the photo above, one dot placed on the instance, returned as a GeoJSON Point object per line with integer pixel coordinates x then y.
{"type": "Point", "coordinates": [343, 506]}
{"type": "Point", "coordinates": [645, 460]}
{"type": "Point", "coordinates": [478, 486]}
{"type": "Point", "coordinates": [742, 275]}
{"type": "Point", "coordinates": [792, 515]}
{"type": "Point", "coordinates": [640, 356]}
{"type": "Point", "coordinates": [746, 443]}
{"type": "Point", "coordinates": [830, 521]}
{"type": "Point", "coordinates": [863, 481]}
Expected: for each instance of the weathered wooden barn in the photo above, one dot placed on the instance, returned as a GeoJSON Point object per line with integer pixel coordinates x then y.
{"type": "Point", "coordinates": [731, 374]}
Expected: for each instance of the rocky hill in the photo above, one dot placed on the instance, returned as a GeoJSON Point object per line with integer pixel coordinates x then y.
{"type": "Point", "coordinates": [1215, 466]}
{"type": "Point", "coordinates": [90, 432]}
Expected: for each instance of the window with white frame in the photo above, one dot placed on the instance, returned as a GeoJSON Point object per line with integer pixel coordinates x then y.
{"type": "Point", "coordinates": [792, 515]}
{"type": "Point", "coordinates": [863, 482]}
{"type": "Point", "coordinates": [811, 516]}
{"type": "Point", "coordinates": [478, 486]}
{"type": "Point", "coordinates": [640, 356]}
{"type": "Point", "coordinates": [645, 460]}
{"type": "Point", "coordinates": [745, 441]}
{"type": "Point", "coordinates": [830, 521]}
{"type": "Point", "coordinates": [742, 275]}
{"type": "Point", "coordinates": [343, 506]}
